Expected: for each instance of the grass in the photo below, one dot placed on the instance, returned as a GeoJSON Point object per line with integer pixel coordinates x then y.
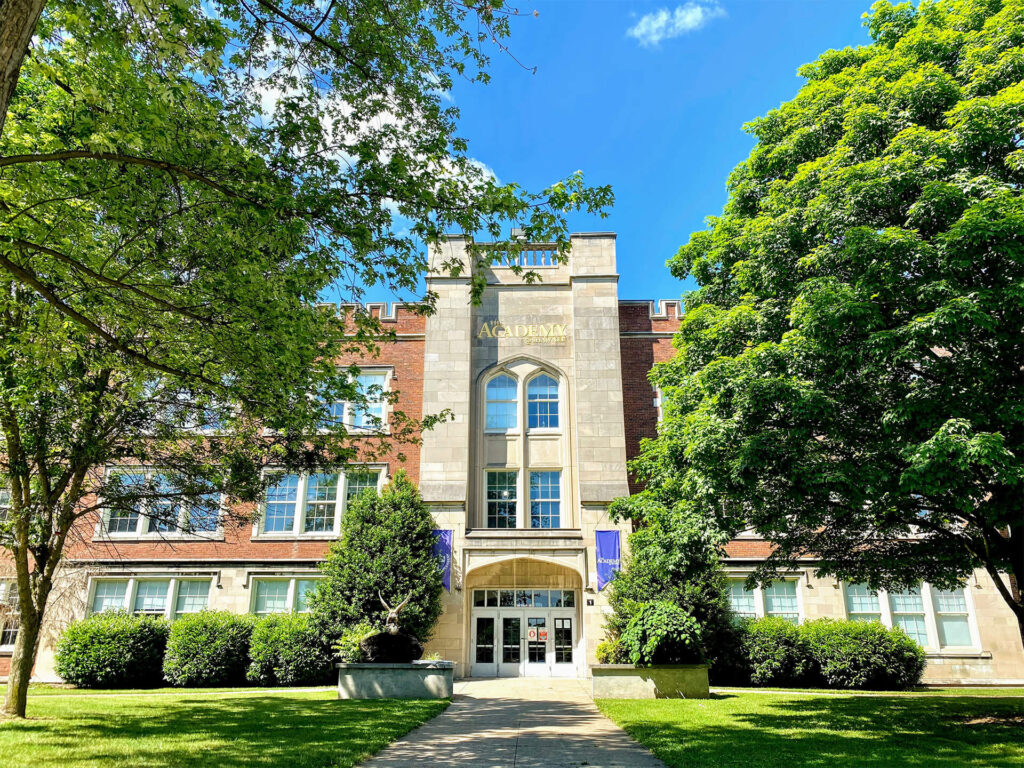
{"type": "Point", "coordinates": [46, 689]}
{"type": "Point", "coordinates": [297, 729]}
{"type": "Point", "coordinates": [994, 691]}
{"type": "Point", "coordinates": [741, 728]}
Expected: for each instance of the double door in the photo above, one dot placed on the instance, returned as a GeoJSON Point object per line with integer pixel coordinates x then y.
{"type": "Point", "coordinates": [526, 642]}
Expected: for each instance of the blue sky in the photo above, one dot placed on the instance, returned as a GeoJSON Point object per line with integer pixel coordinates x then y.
{"type": "Point", "coordinates": [659, 120]}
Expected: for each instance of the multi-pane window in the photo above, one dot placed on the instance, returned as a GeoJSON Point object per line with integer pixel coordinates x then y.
{"type": "Point", "coordinates": [9, 621]}
{"type": "Point", "coordinates": [151, 596]}
{"type": "Point", "coordinates": [951, 617]}
{"type": "Point", "coordinates": [862, 603]}
{"type": "Point", "coordinates": [314, 503]}
{"type": "Point", "coordinates": [741, 599]}
{"type": "Point", "coordinates": [780, 600]}
{"type": "Point", "coordinates": [160, 509]}
{"type": "Point", "coordinates": [502, 399]}
{"type": "Point", "coordinates": [501, 499]}
{"type": "Point", "coordinates": [545, 499]}
{"type": "Point", "coordinates": [281, 595]}
{"type": "Point", "coordinates": [366, 414]}
{"type": "Point", "coordinates": [5, 504]}
{"type": "Point", "coordinates": [542, 402]}
{"type": "Point", "coordinates": [168, 597]}
{"type": "Point", "coordinates": [907, 607]}
{"type": "Point", "coordinates": [524, 598]}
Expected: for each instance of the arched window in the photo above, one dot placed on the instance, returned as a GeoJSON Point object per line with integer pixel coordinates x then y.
{"type": "Point", "coordinates": [501, 403]}
{"type": "Point", "coordinates": [542, 402]}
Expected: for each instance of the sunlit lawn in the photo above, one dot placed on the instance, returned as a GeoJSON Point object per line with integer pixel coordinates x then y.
{"type": "Point", "coordinates": [297, 729]}
{"type": "Point", "coordinates": [763, 730]}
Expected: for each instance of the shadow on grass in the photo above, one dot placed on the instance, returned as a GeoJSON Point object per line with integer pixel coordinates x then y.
{"type": "Point", "coordinates": [228, 732]}
{"type": "Point", "coordinates": [785, 732]}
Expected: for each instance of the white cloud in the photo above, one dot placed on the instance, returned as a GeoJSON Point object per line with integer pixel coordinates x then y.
{"type": "Point", "coordinates": [664, 24]}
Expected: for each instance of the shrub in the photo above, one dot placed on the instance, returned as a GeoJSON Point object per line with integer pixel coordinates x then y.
{"type": "Point", "coordinates": [112, 650]}
{"type": "Point", "coordinates": [208, 648]}
{"type": "Point", "coordinates": [284, 650]}
{"type": "Point", "coordinates": [860, 654]}
{"type": "Point", "coordinates": [386, 546]}
{"type": "Point", "coordinates": [611, 652]}
{"type": "Point", "coordinates": [348, 648]}
{"type": "Point", "coordinates": [775, 652]}
{"type": "Point", "coordinates": [661, 633]}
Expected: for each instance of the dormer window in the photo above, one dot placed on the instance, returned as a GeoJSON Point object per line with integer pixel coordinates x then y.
{"type": "Point", "coordinates": [542, 402]}
{"type": "Point", "coordinates": [501, 403]}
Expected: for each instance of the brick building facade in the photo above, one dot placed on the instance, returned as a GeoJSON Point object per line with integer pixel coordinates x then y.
{"type": "Point", "coordinates": [547, 388]}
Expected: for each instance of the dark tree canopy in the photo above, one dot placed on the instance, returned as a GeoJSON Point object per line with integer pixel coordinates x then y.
{"type": "Point", "coordinates": [850, 372]}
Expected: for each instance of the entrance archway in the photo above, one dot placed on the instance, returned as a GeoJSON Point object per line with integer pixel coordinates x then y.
{"type": "Point", "coordinates": [525, 619]}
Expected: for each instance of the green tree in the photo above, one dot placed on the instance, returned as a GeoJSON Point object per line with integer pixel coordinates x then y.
{"type": "Point", "coordinates": [848, 378]}
{"type": "Point", "coordinates": [386, 550]}
{"type": "Point", "coordinates": [179, 186]}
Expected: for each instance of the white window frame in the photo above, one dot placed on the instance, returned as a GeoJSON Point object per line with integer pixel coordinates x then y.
{"type": "Point", "coordinates": [9, 587]}
{"type": "Point", "coordinates": [298, 530]}
{"type": "Point", "coordinates": [525, 402]}
{"type": "Point", "coordinates": [170, 611]}
{"type": "Point", "coordinates": [518, 427]}
{"type": "Point", "coordinates": [293, 586]}
{"type": "Point", "coordinates": [933, 646]}
{"type": "Point", "coordinates": [142, 531]}
{"type": "Point", "coordinates": [349, 411]}
{"type": "Point", "coordinates": [759, 604]}
{"type": "Point", "coordinates": [525, 513]}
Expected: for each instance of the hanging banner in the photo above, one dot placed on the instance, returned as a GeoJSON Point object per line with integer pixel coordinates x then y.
{"type": "Point", "coordinates": [443, 552]}
{"type": "Point", "coordinates": [608, 561]}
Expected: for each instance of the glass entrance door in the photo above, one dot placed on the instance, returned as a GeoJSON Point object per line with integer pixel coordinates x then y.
{"type": "Point", "coordinates": [484, 646]}
{"type": "Point", "coordinates": [537, 644]}
{"type": "Point", "coordinates": [511, 664]}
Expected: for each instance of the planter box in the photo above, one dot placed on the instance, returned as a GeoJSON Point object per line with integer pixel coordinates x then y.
{"type": "Point", "coordinates": [419, 680]}
{"type": "Point", "coordinates": [624, 681]}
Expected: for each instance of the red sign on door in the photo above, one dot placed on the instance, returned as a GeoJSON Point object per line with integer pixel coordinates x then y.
{"type": "Point", "coordinates": [543, 635]}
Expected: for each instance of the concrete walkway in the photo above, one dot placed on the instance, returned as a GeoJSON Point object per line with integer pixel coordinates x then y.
{"type": "Point", "coordinates": [518, 723]}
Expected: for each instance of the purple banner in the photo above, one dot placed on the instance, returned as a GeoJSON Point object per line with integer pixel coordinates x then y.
{"type": "Point", "coordinates": [443, 552]}
{"type": "Point", "coordinates": [608, 561]}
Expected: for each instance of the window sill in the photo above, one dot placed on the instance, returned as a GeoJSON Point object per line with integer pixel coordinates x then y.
{"type": "Point", "coordinates": [154, 537]}
{"type": "Point", "coordinates": [290, 536]}
{"type": "Point", "coordinates": [966, 653]}
{"type": "Point", "coordinates": [528, 533]}
{"type": "Point", "coordinates": [505, 432]}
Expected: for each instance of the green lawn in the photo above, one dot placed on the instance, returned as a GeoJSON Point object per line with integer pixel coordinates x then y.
{"type": "Point", "coordinates": [742, 728]}
{"type": "Point", "coordinates": [297, 729]}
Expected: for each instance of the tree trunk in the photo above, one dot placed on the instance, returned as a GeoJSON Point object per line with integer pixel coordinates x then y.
{"type": "Point", "coordinates": [21, 665]}
{"type": "Point", "coordinates": [18, 20]}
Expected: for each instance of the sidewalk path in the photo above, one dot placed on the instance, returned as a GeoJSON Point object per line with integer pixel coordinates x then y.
{"type": "Point", "coordinates": [518, 723]}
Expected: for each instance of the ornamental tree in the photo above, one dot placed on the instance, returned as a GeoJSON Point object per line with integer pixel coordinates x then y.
{"type": "Point", "coordinates": [386, 550]}
{"type": "Point", "coordinates": [179, 187]}
{"type": "Point", "coordinates": [849, 373]}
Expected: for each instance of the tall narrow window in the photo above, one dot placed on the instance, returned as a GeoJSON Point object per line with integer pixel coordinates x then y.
{"type": "Point", "coordinates": [780, 600]}
{"type": "Point", "coordinates": [126, 519]}
{"type": "Point", "coordinates": [5, 504]}
{"type": "Point", "coordinates": [862, 603]}
{"type": "Point", "coordinates": [501, 499]}
{"type": "Point", "coordinates": [370, 414]}
{"type": "Point", "coordinates": [741, 599]}
{"type": "Point", "coordinates": [204, 514]}
{"type": "Point", "coordinates": [282, 499]}
{"type": "Point", "coordinates": [358, 482]}
{"type": "Point", "coordinates": [321, 502]}
{"type": "Point", "coordinates": [545, 499]}
{"type": "Point", "coordinates": [908, 613]}
{"type": "Point", "coordinates": [951, 618]}
{"type": "Point", "coordinates": [542, 402]}
{"type": "Point", "coordinates": [9, 621]}
{"type": "Point", "coordinates": [501, 403]}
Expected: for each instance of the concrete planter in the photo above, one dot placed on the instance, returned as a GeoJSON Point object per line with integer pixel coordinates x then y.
{"type": "Point", "coordinates": [419, 680]}
{"type": "Point", "coordinates": [676, 681]}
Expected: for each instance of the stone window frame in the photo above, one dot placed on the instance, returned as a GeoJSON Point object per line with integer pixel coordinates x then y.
{"type": "Point", "coordinates": [301, 502]}
{"type": "Point", "coordinates": [759, 598]}
{"type": "Point", "coordinates": [174, 581]}
{"type": "Point", "coordinates": [933, 645]}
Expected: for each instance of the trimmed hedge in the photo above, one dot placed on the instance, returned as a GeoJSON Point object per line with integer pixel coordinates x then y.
{"type": "Point", "coordinates": [209, 648]}
{"type": "Point", "coordinates": [862, 654]}
{"type": "Point", "coordinates": [284, 650]}
{"type": "Point", "coordinates": [827, 653]}
{"type": "Point", "coordinates": [113, 650]}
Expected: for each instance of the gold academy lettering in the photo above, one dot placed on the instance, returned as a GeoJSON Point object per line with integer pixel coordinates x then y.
{"type": "Point", "coordinates": [533, 333]}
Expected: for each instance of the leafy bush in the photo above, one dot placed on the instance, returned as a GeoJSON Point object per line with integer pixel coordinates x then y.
{"type": "Point", "coordinates": [775, 652]}
{"type": "Point", "coordinates": [284, 650]}
{"type": "Point", "coordinates": [611, 652]}
{"type": "Point", "coordinates": [348, 648]}
{"type": "Point", "coordinates": [387, 547]}
{"type": "Point", "coordinates": [860, 654]}
{"type": "Point", "coordinates": [662, 633]}
{"type": "Point", "coordinates": [112, 650]}
{"type": "Point", "coordinates": [208, 648]}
